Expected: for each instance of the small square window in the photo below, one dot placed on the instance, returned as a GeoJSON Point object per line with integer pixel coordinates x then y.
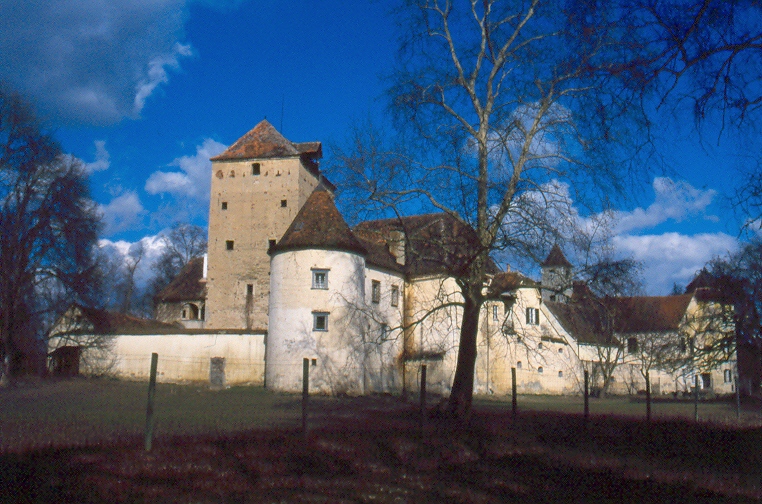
{"type": "Point", "coordinates": [314, 362]}
{"type": "Point", "coordinates": [255, 168]}
{"type": "Point", "coordinates": [518, 365]}
{"type": "Point", "coordinates": [540, 370]}
{"type": "Point", "coordinates": [270, 244]}
{"type": "Point", "coordinates": [560, 374]}
{"type": "Point", "coordinates": [319, 279]}
{"type": "Point", "coordinates": [224, 205]}
{"type": "Point", "coordinates": [560, 350]}
{"type": "Point", "coordinates": [249, 289]}
{"type": "Point", "coordinates": [539, 346]}
{"type": "Point", "coordinates": [283, 203]}
{"type": "Point", "coordinates": [375, 291]}
{"type": "Point", "coordinates": [319, 321]}
{"type": "Point", "coordinates": [229, 245]}
{"type": "Point", "coordinates": [395, 295]}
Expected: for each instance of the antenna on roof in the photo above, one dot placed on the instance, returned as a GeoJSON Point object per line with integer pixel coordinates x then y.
{"type": "Point", "coordinates": [282, 106]}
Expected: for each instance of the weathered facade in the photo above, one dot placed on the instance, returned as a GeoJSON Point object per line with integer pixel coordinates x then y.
{"type": "Point", "coordinates": [286, 279]}
{"type": "Point", "coordinates": [258, 186]}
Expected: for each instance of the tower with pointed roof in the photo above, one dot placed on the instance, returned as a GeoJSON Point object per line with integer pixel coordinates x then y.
{"type": "Point", "coordinates": [259, 184]}
{"type": "Point", "coordinates": [557, 277]}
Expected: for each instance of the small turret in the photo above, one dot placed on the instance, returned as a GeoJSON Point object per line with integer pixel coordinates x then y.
{"type": "Point", "coordinates": [557, 279]}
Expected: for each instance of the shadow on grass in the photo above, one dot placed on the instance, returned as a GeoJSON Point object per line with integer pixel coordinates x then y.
{"type": "Point", "coordinates": [371, 449]}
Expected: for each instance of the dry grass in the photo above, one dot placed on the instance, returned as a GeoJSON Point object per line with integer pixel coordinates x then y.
{"type": "Point", "coordinates": [244, 445]}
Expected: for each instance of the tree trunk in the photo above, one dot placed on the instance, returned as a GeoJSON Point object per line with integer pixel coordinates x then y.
{"type": "Point", "coordinates": [463, 384]}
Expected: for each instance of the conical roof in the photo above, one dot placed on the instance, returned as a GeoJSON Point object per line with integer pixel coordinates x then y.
{"type": "Point", "coordinates": [264, 141]}
{"type": "Point", "coordinates": [556, 258]}
{"type": "Point", "coordinates": [319, 225]}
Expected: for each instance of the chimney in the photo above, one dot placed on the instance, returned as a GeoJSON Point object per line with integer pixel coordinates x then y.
{"type": "Point", "coordinates": [396, 246]}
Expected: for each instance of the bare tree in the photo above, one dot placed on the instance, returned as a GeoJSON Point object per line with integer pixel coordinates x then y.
{"type": "Point", "coordinates": [492, 100]}
{"type": "Point", "coordinates": [181, 244]}
{"type": "Point", "coordinates": [49, 227]}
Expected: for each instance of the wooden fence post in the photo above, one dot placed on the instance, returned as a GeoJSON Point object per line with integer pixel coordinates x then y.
{"type": "Point", "coordinates": [738, 399]}
{"type": "Point", "coordinates": [305, 392]}
{"type": "Point", "coordinates": [514, 406]}
{"type": "Point", "coordinates": [587, 396]}
{"type": "Point", "coordinates": [149, 409]}
{"type": "Point", "coordinates": [423, 395]}
{"type": "Point", "coordinates": [695, 397]}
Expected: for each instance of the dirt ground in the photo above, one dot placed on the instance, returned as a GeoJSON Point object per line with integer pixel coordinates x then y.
{"type": "Point", "coordinates": [375, 449]}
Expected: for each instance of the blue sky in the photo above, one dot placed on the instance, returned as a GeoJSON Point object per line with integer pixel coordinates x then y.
{"type": "Point", "coordinates": [145, 91]}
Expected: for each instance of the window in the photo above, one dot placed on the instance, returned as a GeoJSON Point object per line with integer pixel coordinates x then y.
{"type": "Point", "coordinates": [229, 245]}
{"type": "Point", "coordinates": [706, 380]}
{"type": "Point", "coordinates": [255, 170]}
{"type": "Point", "coordinates": [249, 289]}
{"type": "Point", "coordinates": [319, 279]}
{"type": "Point", "coordinates": [495, 314]}
{"type": "Point", "coordinates": [540, 370]}
{"type": "Point", "coordinates": [319, 321]}
{"type": "Point", "coordinates": [314, 362]}
{"type": "Point", "coordinates": [539, 346]}
{"type": "Point", "coordinates": [270, 244]}
{"type": "Point", "coordinates": [728, 376]}
{"type": "Point", "coordinates": [533, 316]}
{"type": "Point", "coordinates": [632, 345]}
{"type": "Point", "coordinates": [283, 203]}
{"type": "Point", "coordinates": [224, 205]}
{"type": "Point", "coordinates": [384, 331]}
{"type": "Point", "coordinates": [518, 365]}
{"type": "Point", "coordinates": [232, 173]}
{"type": "Point", "coordinates": [375, 291]}
{"type": "Point", "coordinates": [395, 295]}
{"type": "Point", "coordinates": [560, 374]}
{"type": "Point", "coordinates": [560, 350]}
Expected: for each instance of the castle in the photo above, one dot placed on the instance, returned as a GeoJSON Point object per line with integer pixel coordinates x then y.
{"type": "Point", "coordinates": [287, 279]}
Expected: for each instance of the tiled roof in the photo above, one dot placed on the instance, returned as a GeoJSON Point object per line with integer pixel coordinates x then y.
{"type": "Point", "coordinates": [434, 243]}
{"type": "Point", "coordinates": [319, 225]}
{"type": "Point", "coordinates": [586, 321]}
{"type": "Point", "coordinates": [106, 322]}
{"type": "Point", "coordinates": [264, 141]}
{"type": "Point", "coordinates": [187, 285]}
{"type": "Point", "coordinates": [506, 281]}
{"type": "Point", "coordinates": [556, 258]}
{"type": "Point", "coordinates": [648, 313]}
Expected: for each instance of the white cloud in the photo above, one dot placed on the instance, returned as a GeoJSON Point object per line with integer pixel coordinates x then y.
{"type": "Point", "coordinates": [675, 201]}
{"type": "Point", "coordinates": [667, 258]}
{"type": "Point", "coordinates": [194, 179]}
{"type": "Point", "coordinates": [673, 257]}
{"type": "Point", "coordinates": [153, 246]}
{"type": "Point", "coordinates": [102, 158]}
{"type": "Point", "coordinates": [157, 73]}
{"type": "Point", "coordinates": [122, 213]}
{"type": "Point", "coordinates": [90, 61]}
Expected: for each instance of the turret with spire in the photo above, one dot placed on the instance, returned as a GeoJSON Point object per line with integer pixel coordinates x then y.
{"type": "Point", "coordinates": [556, 276]}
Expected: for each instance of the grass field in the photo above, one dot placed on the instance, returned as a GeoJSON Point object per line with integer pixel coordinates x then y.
{"type": "Point", "coordinates": [81, 441]}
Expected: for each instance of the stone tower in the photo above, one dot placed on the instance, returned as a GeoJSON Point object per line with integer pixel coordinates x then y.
{"type": "Point", "coordinates": [258, 186]}
{"type": "Point", "coordinates": [556, 276]}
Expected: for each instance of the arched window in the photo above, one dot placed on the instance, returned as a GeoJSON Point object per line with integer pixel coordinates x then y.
{"type": "Point", "coordinates": [190, 312]}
